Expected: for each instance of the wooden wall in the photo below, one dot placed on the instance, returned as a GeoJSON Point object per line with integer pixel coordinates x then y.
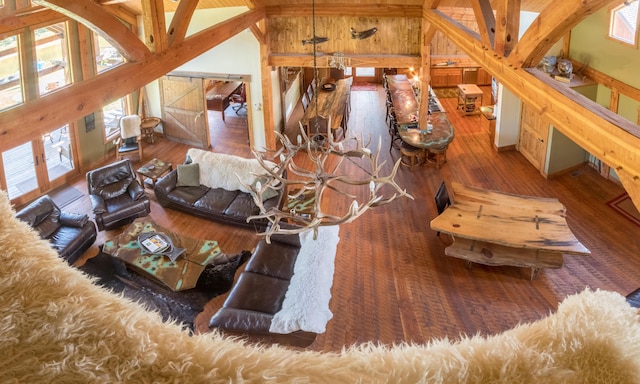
{"type": "Point", "coordinates": [395, 36]}
{"type": "Point", "coordinates": [440, 44]}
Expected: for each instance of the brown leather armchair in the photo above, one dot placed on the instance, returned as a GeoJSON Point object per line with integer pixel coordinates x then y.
{"type": "Point", "coordinates": [116, 196]}
{"type": "Point", "coordinates": [69, 233]}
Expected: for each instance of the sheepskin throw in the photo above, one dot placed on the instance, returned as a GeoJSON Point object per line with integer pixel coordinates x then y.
{"type": "Point", "coordinates": [306, 303]}
{"type": "Point", "coordinates": [58, 327]}
{"type": "Point", "coordinates": [229, 172]}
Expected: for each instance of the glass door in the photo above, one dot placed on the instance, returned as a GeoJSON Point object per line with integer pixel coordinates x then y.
{"type": "Point", "coordinates": [362, 74]}
{"type": "Point", "coordinates": [32, 168]}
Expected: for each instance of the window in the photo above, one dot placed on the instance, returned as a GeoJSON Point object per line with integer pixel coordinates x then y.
{"type": "Point", "coordinates": [10, 79]}
{"type": "Point", "coordinates": [52, 55]}
{"type": "Point", "coordinates": [623, 25]}
{"type": "Point", "coordinates": [107, 56]}
{"type": "Point", "coordinates": [111, 115]}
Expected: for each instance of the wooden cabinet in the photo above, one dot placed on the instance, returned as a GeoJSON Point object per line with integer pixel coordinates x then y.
{"type": "Point", "coordinates": [534, 131]}
{"type": "Point", "coordinates": [484, 78]}
{"type": "Point", "coordinates": [446, 77]}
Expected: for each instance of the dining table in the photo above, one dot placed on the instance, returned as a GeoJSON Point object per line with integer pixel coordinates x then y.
{"type": "Point", "coordinates": [403, 98]}
{"type": "Point", "coordinates": [499, 228]}
{"type": "Point", "coordinates": [437, 134]}
{"type": "Point", "coordinates": [331, 103]}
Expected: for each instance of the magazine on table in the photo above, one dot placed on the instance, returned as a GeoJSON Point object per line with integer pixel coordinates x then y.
{"type": "Point", "coordinates": [155, 244]}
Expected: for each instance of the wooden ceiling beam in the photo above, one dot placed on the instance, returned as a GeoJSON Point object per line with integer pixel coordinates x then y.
{"type": "Point", "coordinates": [550, 26]}
{"type": "Point", "coordinates": [16, 23]}
{"type": "Point", "coordinates": [597, 130]}
{"type": "Point", "coordinates": [486, 21]}
{"type": "Point", "coordinates": [96, 18]}
{"type": "Point", "coordinates": [377, 61]}
{"type": "Point", "coordinates": [507, 26]}
{"type": "Point", "coordinates": [353, 10]}
{"type": "Point", "coordinates": [123, 14]}
{"type": "Point", "coordinates": [180, 22]}
{"type": "Point", "coordinates": [153, 22]}
{"type": "Point", "coordinates": [80, 99]}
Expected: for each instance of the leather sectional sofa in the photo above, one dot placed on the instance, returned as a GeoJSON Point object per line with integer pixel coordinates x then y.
{"type": "Point", "coordinates": [69, 233]}
{"type": "Point", "coordinates": [212, 199]}
{"type": "Point", "coordinates": [259, 293]}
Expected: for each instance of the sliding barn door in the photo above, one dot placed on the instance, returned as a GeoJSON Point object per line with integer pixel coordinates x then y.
{"type": "Point", "coordinates": [184, 113]}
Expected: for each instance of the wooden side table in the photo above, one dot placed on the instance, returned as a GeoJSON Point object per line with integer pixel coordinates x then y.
{"type": "Point", "coordinates": [147, 127]}
{"type": "Point", "coordinates": [153, 170]}
{"type": "Point", "coordinates": [467, 96]}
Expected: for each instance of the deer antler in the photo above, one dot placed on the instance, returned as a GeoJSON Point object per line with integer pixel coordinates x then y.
{"type": "Point", "coordinates": [310, 183]}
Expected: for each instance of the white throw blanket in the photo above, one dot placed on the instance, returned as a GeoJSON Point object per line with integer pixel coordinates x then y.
{"type": "Point", "coordinates": [219, 170]}
{"type": "Point", "coordinates": [130, 126]}
{"type": "Point", "coordinates": [306, 303]}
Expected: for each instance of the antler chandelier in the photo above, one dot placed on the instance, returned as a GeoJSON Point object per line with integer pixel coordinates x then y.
{"type": "Point", "coordinates": [364, 189]}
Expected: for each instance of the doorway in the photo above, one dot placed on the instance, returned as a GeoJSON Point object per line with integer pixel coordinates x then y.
{"type": "Point", "coordinates": [363, 74]}
{"type": "Point", "coordinates": [201, 108]}
{"type": "Point", "coordinates": [33, 168]}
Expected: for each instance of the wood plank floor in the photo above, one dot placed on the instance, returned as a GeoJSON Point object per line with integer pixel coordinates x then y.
{"type": "Point", "coordinates": [392, 281]}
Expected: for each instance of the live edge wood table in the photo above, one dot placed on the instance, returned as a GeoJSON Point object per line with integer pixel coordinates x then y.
{"type": "Point", "coordinates": [496, 228]}
{"type": "Point", "coordinates": [178, 275]}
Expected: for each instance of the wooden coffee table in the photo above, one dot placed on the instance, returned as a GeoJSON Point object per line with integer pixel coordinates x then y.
{"type": "Point", "coordinates": [498, 228]}
{"type": "Point", "coordinates": [178, 275]}
{"type": "Point", "coordinates": [153, 170]}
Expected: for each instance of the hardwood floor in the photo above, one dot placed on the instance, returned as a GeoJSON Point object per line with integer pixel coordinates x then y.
{"type": "Point", "coordinates": [392, 281]}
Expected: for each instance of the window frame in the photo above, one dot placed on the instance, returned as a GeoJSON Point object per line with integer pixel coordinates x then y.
{"type": "Point", "coordinates": [21, 70]}
{"type": "Point", "coordinates": [66, 45]}
{"type": "Point", "coordinates": [612, 17]}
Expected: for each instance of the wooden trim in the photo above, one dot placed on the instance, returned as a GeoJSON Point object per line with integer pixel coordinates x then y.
{"type": "Point", "coordinates": [353, 10]}
{"type": "Point", "coordinates": [377, 61]}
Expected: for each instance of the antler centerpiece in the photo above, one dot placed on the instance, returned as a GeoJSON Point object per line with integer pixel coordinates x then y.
{"type": "Point", "coordinates": [321, 182]}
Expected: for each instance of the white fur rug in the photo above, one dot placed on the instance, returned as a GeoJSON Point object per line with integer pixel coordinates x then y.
{"type": "Point", "coordinates": [57, 327]}
{"type": "Point", "coordinates": [306, 303]}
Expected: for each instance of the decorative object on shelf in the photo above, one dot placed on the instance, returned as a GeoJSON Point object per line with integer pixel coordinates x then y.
{"type": "Point", "coordinates": [565, 67]}
{"type": "Point", "coordinates": [548, 63]}
{"type": "Point", "coordinates": [339, 61]}
{"type": "Point", "coordinates": [364, 34]}
{"type": "Point", "coordinates": [365, 187]}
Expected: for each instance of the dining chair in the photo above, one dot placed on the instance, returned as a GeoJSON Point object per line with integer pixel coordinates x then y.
{"type": "Point", "coordinates": [318, 128]}
{"type": "Point", "coordinates": [411, 156]}
{"type": "Point", "coordinates": [129, 143]}
{"type": "Point", "coordinates": [396, 140]}
{"type": "Point", "coordinates": [239, 99]}
{"type": "Point", "coordinates": [442, 200]}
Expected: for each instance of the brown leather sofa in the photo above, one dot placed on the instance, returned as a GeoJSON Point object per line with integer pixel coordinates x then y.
{"type": "Point", "coordinates": [116, 196]}
{"type": "Point", "coordinates": [69, 233]}
{"type": "Point", "coordinates": [259, 293]}
{"type": "Point", "coordinates": [216, 204]}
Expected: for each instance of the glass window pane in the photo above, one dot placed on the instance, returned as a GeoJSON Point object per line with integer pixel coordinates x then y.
{"type": "Point", "coordinates": [58, 152]}
{"type": "Point", "coordinates": [10, 84]}
{"type": "Point", "coordinates": [107, 56]}
{"type": "Point", "coordinates": [19, 169]}
{"type": "Point", "coordinates": [112, 114]}
{"type": "Point", "coordinates": [365, 72]}
{"type": "Point", "coordinates": [624, 23]}
{"type": "Point", "coordinates": [52, 57]}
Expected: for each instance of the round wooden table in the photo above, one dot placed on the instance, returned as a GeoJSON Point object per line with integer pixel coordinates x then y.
{"type": "Point", "coordinates": [148, 126]}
